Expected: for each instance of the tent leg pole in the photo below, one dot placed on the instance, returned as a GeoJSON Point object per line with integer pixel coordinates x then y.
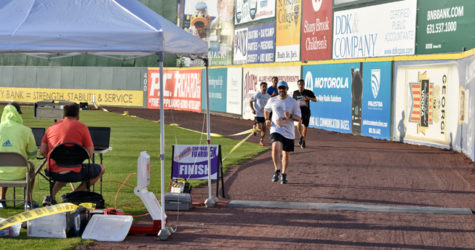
{"type": "Point", "coordinates": [164, 232]}
{"type": "Point", "coordinates": [211, 201]}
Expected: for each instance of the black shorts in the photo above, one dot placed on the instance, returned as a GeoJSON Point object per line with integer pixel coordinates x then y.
{"type": "Point", "coordinates": [287, 144]}
{"type": "Point", "coordinates": [305, 116]}
{"type": "Point", "coordinates": [259, 119]}
{"type": "Point", "coordinates": [93, 172]}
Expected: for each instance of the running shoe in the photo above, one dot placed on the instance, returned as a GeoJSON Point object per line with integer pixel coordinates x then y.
{"type": "Point", "coordinates": [300, 140]}
{"type": "Point", "coordinates": [275, 177]}
{"type": "Point", "coordinates": [31, 205]}
{"type": "Point", "coordinates": [3, 204]}
{"type": "Point", "coordinates": [261, 143]}
{"type": "Point", "coordinates": [303, 144]}
{"type": "Point", "coordinates": [47, 201]}
{"type": "Point", "coordinates": [284, 179]}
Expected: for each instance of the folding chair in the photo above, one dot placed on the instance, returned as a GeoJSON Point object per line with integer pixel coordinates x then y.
{"type": "Point", "coordinates": [68, 155]}
{"type": "Point", "coordinates": [14, 159]}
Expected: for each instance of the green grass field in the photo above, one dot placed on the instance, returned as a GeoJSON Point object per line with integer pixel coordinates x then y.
{"type": "Point", "coordinates": [129, 136]}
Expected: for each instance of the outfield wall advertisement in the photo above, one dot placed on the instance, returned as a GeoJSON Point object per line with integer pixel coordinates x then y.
{"type": "Point", "coordinates": [133, 98]}
{"type": "Point", "coordinates": [466, 137]}
{"type": "Point", "coordinates": [426, 102]}
{"type": "Point", "coordinates": [316, 30]}
{"type": "Point", "coordinates": [254, 76]}
{"type": "Point", "coordinates": [355, 34]}
{"type": "Point", "coordinates": [287, 24]}
{"type": "Point", "coordinates": [182, 89]}
{"type": "Point", "coordinates": [240, 46]}
{"type": "Point", "coordinates": [253, 10]}
{"type": "Point", "coordinates": [212, 21]}
{"type": "Point", "coordinates": [254, 44]}
{"type": "Point", "coordinates": [332, 86]}
{"type": "Point", "coordinates": [234, 91]}
{"type": "Point", "coordinates": [376, 105]}
{"type": "Point", "coordinates": [217, 89]}
{"type": "Point", "coordinates": [444, 26]}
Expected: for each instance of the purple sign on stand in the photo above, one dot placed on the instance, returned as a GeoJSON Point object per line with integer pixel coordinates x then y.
{"type": "Point", "coordinates": [191, 161]}
{"type": "Point", "coordinates": [260, 43]}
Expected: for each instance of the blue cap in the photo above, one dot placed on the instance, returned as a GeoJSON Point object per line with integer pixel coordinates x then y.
{"type": "Point", "coordinates": [282, 83]}
{"type": "Point", "coordinates": [201, 6]}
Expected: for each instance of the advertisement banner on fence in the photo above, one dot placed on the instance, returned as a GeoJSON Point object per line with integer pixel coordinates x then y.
{"type": "Point", "coordinates": [355, 34]}
{"type": "Point", "coordinates": [234, 91]}
{"type": "Point", "coordinates": [220, 53]}
{"type": "Point", "coordinates": [240, 46]}
{"type": "Point", "coordinates": [376, 105]}
{"type": "Point", "coordinates": [254, 76]}
{"type": "Point", "coordinates": [287, 24]}
{"type": "Point", "coordinates": [332, 85]}
{"type": "Point", "coordinates": [444, 26]}
{"type": "Point", "coordinates": [466, 136]}
{"type": "Point", "coordinates": [198, 15]}
{"type": "Point", "coordinates": [316, 30]}
{"type": "Point", "coordinates": [212, 21]}
{"type": "Point", "coordinates": [182, 89]}
{"type": "Point", "coordinates": [131, 98]}
{"type": "Point", "coordinates": [260, 43]}
{"type": "Point", "coordinates": [254, 44]}
{"type": "Point", "coordinates": [217, 89]}
{"type": "Point", "coordinates": [191, 161]}
{"type": "Point", "coordinates": [253, 10]}
{"type": "Point", "coordinates": [426, 102]}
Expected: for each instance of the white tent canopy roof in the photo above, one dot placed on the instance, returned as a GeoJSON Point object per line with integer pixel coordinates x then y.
{"type": "Point", "coordinates": [102, 27]}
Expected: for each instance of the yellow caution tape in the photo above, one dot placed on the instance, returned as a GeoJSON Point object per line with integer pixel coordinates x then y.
{"type": "Point", "coordinates": [42, 212]}
{"type": "Point", "coordinates": [250, 132]}
{"type": "Point", "coordinates": [191, 130]}
{"type": "Point", "coordinates": [245, 132]}
{"type": "Point", "coordinates": [237, 145]}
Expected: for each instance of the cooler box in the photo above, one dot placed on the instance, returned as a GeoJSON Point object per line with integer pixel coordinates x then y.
{"type": "Point", "coordinates": [178, 201]}
{"type": "Point", "coordinates": [55, 226]}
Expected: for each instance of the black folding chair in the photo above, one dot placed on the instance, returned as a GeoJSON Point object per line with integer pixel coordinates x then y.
{"type": "Point", "coordinates": [68, 155]}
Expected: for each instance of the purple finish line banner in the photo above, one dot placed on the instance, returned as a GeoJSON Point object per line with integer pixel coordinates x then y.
{"type": "Point", "coordinates": [191, 161]}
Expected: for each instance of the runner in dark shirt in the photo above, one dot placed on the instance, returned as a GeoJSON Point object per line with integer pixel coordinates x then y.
{"type": "Point", "coordinates": [303, 97]}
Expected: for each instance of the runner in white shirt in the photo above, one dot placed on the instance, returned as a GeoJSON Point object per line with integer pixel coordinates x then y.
{"type": "Point", "coordinates": [285, 110]}
{"type": "Point", "coordinates": [257, 103]}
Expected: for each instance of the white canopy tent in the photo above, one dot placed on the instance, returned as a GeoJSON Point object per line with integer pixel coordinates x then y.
{"type": "Point", "coordinates": [100, 27]}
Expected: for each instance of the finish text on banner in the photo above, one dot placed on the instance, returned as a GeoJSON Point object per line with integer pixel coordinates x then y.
{"type": "Point", "coordinates": [182, 89]}
{"type": "Point", "coordinates": [191, 161]}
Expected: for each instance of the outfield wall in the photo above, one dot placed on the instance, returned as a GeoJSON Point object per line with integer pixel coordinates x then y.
{"type": "Point", "coordinates": [425, 100]}
{"type": "Point", "coordinates": [422, 100]}
{"type": "Point", "coordinates": [116, 86]}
